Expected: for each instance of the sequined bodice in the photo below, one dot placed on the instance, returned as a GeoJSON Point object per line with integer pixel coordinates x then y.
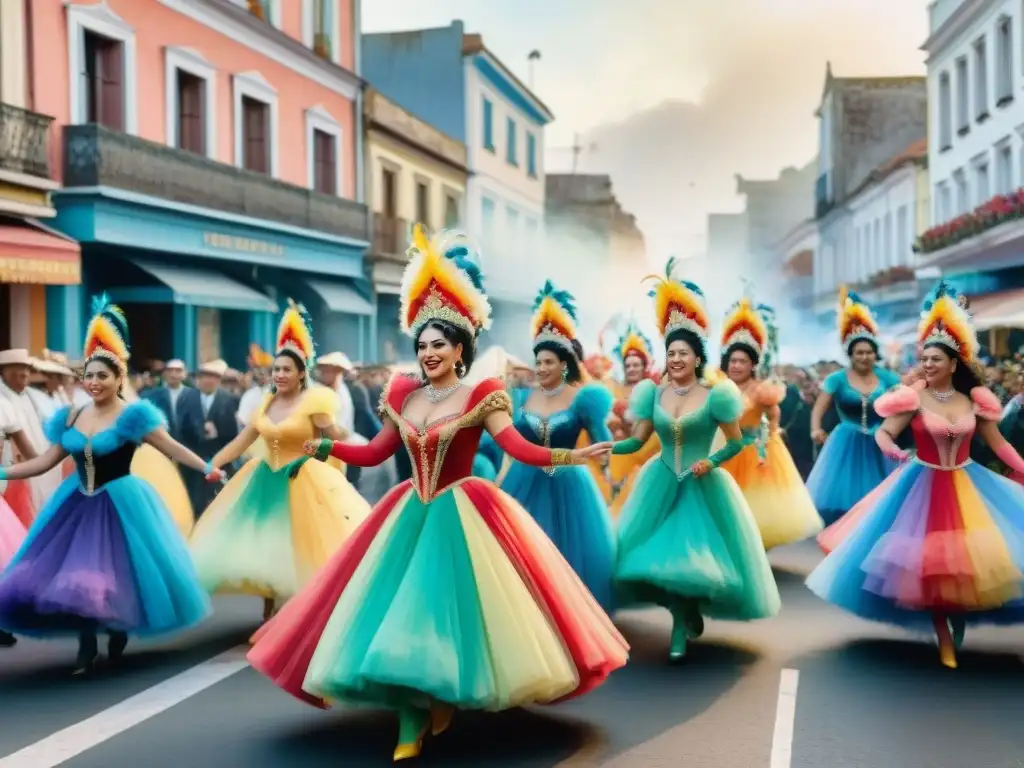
{"type": "Point", "coordinates": [687, 439]}
{"type": "Point", "coordinates": [99, 459]}
{"type": "Point", "coordinates": [557, 430]}
{"type": "Point", "coordinates": [857, 409]}
{"type": "Point", "coordinates": [940, 442]}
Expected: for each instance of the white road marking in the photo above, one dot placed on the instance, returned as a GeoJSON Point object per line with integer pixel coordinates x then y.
{"type": "Point", "coordinates": [785, 718]}
{"type": "Point", "coordinates": [72, 741]}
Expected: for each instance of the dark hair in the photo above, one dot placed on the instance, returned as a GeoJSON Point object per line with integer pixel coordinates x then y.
{"type": "Point", "coordinates": [965, 378]}
{"type": "Point", "coordinates": [296, 358]}
{"type": "Point", "coordinates": [694, 342]}
{"type": "Point", "coordinates": [111, 366]}
{"type": "Point", "coordinates": [746, 349]}
{"type": "Point", "coordinates": [455, 335]}
{"type": "Point", "coordinates": [571, 359]}
{"type": "Point", "coordinates": [854, 342]}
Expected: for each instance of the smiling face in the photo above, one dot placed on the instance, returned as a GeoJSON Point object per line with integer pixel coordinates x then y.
{"type": "Point", "coordinates": [681, 361]}
{"type": "Point", "coordinates": [937, 365]}
{"type": "Point", "coordinates": [101, 381]}
{"type": "Point", "coordinates": [863, 357]}
{"type": "Point", "coordinates": [549, 369]}
{"type": "Point", "coordinates": [740, 367]}
{"type": "Point", "coordinates": [634, 368]}
{"type": "Point", "coordinates": [286, 375]}
{"type": "Point", "coordinates": [436, 355]}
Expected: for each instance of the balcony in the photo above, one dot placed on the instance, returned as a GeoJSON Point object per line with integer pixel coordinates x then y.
{"type": "Point", "coordinates": [95, 156]}
{"type": "Point", "coordinates": [822, 199]}
{"type": "Point", "coordinates": [24, 141]}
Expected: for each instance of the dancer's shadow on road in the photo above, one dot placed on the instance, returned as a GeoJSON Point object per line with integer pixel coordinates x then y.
{"type": "Point", "coordinates": [638, 703]}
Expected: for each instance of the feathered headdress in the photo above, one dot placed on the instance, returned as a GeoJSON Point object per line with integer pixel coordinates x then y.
{"type": "Point", "coordinates": [634, 342]}
{"type": "Point", "coordinates": [855, 320]}
{"type": "Point", "coordinates": [945, 320]}
{"type": "Point", "coordinates": [554, 318]}
{"type": "Point", "coordinates": [679, 305]}
{"type": "Point", "coordinates": [258, 358]}
{"type": "Point", "coordinates": [745, 324]}
{"type": "Point", "coordinates": [441, 282]}
{"type": "Point", "coordinates": [107, 334]}
{"type": "Point", "coordinates": [295, 333]}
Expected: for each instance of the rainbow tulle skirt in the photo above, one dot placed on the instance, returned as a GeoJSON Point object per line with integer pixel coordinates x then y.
{"type": "Point", "coordinates": [461, 599]}
{"type": "Point", "coordinates": [929, 541]}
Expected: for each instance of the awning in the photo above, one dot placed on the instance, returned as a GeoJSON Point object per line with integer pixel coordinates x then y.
{"type": "Point", "coordinates": [998, 310]}
{"type": "Point", "coordinates": [194, 286]}
{"type": "Point", "coordinates": [31, 252]}
{"type": "Point", "coordinates": [341, 297]}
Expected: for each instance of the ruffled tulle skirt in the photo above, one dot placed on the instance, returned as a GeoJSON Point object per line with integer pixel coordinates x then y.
{"type": "Point", "coordinates": [929, 541]}
{"type": "Point", "coordinates": [569, 508]}
{"type": "Point", "coordinates": [107, 561]}
{"type": "Point", "coordinates": [159, 471]}
{"type": "Point", "coordinates": [693, 539]}
{"type": "Point", "coordinates": [776, 493]}
{"type": "Point", "coordinates": [12, 533]}
{"type": "Point", "coordinates": [461, 600]}
{"type": "Point", "coordinates": [266, 533]}
{"type": "Point", "coordinates": [849, 466]}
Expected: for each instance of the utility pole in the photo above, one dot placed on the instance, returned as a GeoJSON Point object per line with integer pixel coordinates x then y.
{"type": "Point", "coordinates": [577, 149]}
{"type": "Point", "coordinates": [534, 56]}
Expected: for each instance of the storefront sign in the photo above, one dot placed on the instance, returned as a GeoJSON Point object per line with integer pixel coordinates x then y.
{"type": "Point", "coordinates": [235, 244]}
{"type": "Point", "coordinates": [40, 271]}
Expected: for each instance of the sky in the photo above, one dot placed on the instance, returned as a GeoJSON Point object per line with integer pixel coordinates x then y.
{"type": "Point", "coordinates": [675, 97]}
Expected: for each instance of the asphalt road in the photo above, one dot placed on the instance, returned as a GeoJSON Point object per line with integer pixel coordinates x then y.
{"type": "Point", "coordinates": [865, 697]}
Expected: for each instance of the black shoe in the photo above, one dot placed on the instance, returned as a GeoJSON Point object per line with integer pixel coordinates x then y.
{"type": "Point", "coordinates": [87, 652]}
{"type": "Point", "coordinates": [115, 647]}
{"type": "Point", "coordinates": [7, 640]}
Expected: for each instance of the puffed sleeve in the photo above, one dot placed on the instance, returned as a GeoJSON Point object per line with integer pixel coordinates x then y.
{"type": "Point", "coordinates": [725, 402]}
{"type": "Point", "coordinates": [321, 401]}
{"type": "Point", "coordinates": [986, 404]}
{"type": "Point", "coordinates": [769, 393]}
{"type": "Point", "coordinates": [138, 420]}
{"type": "Point", "coordinates": [902, 399]}
{"type": "Point", "coordinates": [57, 425]}
{"type": "Point", "coordinates": [592, 404]}
{"type": "Point", "coordinates": [489, 396]}
{"type": "Point", "coordinates": [833, 382]}
{"type": "Point", "coordinates": [641, 402]}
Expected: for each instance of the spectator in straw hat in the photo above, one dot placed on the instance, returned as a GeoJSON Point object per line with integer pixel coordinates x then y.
{"type": "Point", "coordinates": [219, 427]}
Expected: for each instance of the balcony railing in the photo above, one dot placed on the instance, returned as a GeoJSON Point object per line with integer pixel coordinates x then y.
{"type": "Point", "coordinates": [97, 156]}
{"type": "Point", "coordinates": [390, 236]}
{"type": "Point", "coordinates": [24, 141]}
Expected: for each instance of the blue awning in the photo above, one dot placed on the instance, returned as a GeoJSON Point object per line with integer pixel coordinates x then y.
{"type": "Point", "coordinates": [341, 297]}
{"type": "Point", "coordinates": [192, 286]}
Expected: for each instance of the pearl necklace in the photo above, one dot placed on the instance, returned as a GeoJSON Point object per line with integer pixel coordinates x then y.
{"type": "Point", "coordinates": [682, 391]}
{"type": "Point", "coordinates": [553, 391]}
{"type": "Point", "coordinates": [436, 395]}
{"type": "Point", "coordinates": [942, 397]}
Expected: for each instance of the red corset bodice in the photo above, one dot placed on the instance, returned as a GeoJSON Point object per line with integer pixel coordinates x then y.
{"type": "Point", "coordinates": [940, 442]}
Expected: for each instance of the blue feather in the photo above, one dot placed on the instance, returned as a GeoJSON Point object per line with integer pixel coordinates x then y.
{"type": "Point", "coordinates": [563, 298]}
{"type": "Point", "coordinates": [462, 256]}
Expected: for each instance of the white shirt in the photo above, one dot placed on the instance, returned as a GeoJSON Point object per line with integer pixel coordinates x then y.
{"type": "Point", "coordinates": [9, 421]}
{"type": "Point", "coordinates": [31, 421]}
{"type": "Point", "coordinates": [45, 403]}
{"type": "Point", "coordinates": [346, 416]}
{"type": "Point", "coordinates": [207, 402]}
{"type": "Point", "coordinates": [249, 402]}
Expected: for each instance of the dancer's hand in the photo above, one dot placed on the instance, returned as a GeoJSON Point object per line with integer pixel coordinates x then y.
{"type": "Point", "coordinates": [819, 436]}
{"type": "Point", "coordinates": [310, 447]}
{"type": "Point", "coordinates": [701, 468]}
{"type": "Point", "coordinates": [898, 455]}
{"type": "Point", "coordinates": [580, 455]}
{"type": "Point", "coordinates": [215, 475]}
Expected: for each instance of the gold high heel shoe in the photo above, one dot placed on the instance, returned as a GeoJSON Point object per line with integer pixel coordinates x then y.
{"type": "Point", "coordinates": [947, 649]}
{"type": "Point", "coordinates": [409, 748]}
{"type": "Point", "coordinates": [440, 718]}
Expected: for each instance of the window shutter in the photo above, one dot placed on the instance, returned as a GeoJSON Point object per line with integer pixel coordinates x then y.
{"type": "Point", "coordinates": [111, 65]}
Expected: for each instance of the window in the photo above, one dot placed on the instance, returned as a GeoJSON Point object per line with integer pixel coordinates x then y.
{"type": "Point", "coordinates": [323, 142]}
{"type": "Point", "coordinates": [423, 203]}
{"type": "Point", "coordinates": [511, 147]}
{"type": "Point", "coordinates": [984, 190]}
{"type": "Point", "coordinates": [963, 195]}
{"type": "Point", "coordinates": [389, 189]}
{"type": "Point", "coordinates": [255, 112]}
{"type": "Point", "coordinates": [888, 258]}
{"type": "Point", "coordinates": [903, 244]}
{"type": "Point", "coordinates": [879, 262]}
{"type": "Point", "coordinates": [487, 216]}
{"type": "Point", "coordinates": [1004, 167]}
{"type": "Point", "coordinates": [943, 202]}
{"type": "Point", "coordinates": [980, 78]}
{"type": "Point", "coordinates": [320, 28]}
{"type": "Point", "coordinates": [1004, 61]}
{"type": "Point", "coordinates": [451, 211]}
{"type": "Point", "coordinates": [963, 118]}
{"type": "Point", "coordinates": [191, 108]}
{"type": "Point", "coordinates": [488, 125]}
{"type": "Point", "coordinates": [102, 68]}
{"type": "Point", "coordinates": [531, 155]}
{"type": "Point", "coordinates": [945, 112]}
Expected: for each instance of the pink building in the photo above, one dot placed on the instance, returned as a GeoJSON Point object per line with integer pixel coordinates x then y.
{"type": "Point", "coordinates": [211, 162]}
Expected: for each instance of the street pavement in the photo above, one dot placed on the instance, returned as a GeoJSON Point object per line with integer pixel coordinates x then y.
{"type": "Point", "coordinates": [865, 697]}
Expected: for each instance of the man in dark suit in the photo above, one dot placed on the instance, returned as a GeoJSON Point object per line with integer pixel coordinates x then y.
{"type": "Point", "coordinates": [179, 403]}
{"type": "Point", "coordinates": [217, 408]}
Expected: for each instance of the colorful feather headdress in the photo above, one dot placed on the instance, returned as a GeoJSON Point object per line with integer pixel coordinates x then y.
{"type": "Point", "coordinates": [295, 333]}
{"type": "Point", "coordinates": [107, 334]}
{"type": "Point", "coordinates": [745, 324]}
{"type": "Point", "coordinates": [441, 282]}
{"type": "Point", "coordinates": [945, 320]}
{"type": "Point", "coordinates": [634, 342]}
{"type": "Point", "coordinates": [679, 305]}
{"type": "Point", "coordinates": [554, 318]}
{"type": "Point", "coordinates": [855, 320]}
{"type": "Point", "coordinates": [258, 358]}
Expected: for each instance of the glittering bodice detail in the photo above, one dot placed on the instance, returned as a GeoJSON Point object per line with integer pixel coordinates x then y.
{"type": "Point", "coordinates": [687, 439]}
{"type": "Point", "coordinates": [858, 409]}
{"type": "Point", "coordinates": [942, 443]}
{"type": "Point", "coordinates": [556, 430]}
{"type": "Point", "coordinates": [100, 458]}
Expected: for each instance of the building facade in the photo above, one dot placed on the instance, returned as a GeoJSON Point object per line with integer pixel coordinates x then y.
{"type": "Point", "coordinates": [35, 260]}
{"type": "Point", "coordinates": [415, 173]}
{"type": "Point", "coordinates": [452, 81]}
{"type": "Point", "coordinates": [976, 154]}
{"type": "Point", "coordinates": [212, 168]}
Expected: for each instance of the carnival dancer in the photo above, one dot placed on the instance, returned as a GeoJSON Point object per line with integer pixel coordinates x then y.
{"type": "Point", "coordinates": [280, 517]}
{"type": "Point", "coordinates": [565, 501]}
{"type": "Point", "coordinates": [850, 465]}
{"type": "Point", "coordinates": [12, 525]}
{"type": "Point", "coordinates": [450, 596]}
{"type": "Point", "coordinates": [940, 543]}
{"type": "Point", "coordinates": [687, 539]}
{"type": "Point", "coordinates": [103, 555]}
{"type": "Point", "coordinates": [764, 470]}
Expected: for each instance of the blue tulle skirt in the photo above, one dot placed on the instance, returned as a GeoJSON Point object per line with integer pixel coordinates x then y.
{"type": "Point", "coordinates": [484, 468]}
{"type": "Point", "coordinates": [848, 468]}
{"type": "Point", "coordinates": [569, 507]}
{"type": "Point", "coordinates": [112, 560]}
